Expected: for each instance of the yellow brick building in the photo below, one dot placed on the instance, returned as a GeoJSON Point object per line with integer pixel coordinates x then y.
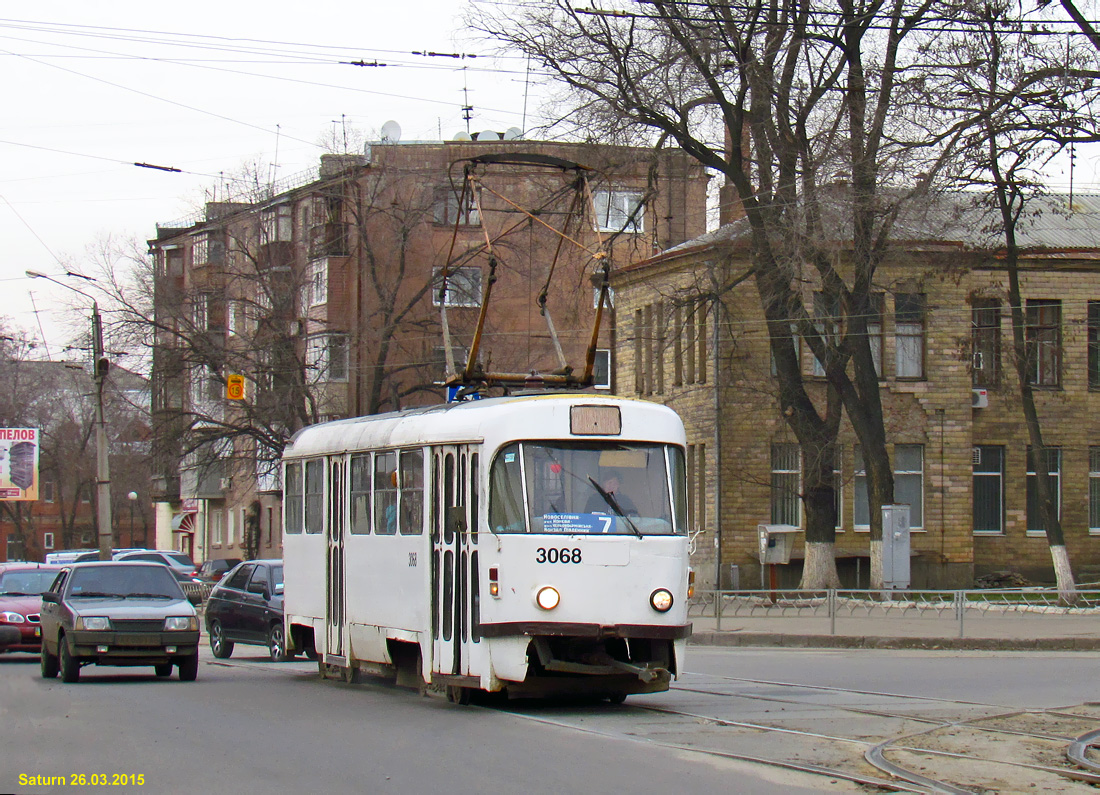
{"type": "Point", "coordinates": [691, 334]}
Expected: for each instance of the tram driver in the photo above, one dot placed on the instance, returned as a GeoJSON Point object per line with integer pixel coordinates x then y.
{"type": "Point", "coordinates": [611, 484]}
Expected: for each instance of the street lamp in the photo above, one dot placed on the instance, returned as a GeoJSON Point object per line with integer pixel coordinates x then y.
{"type": "Point", "coordinates": [132, 496]}
{"type": "Point", "coordinates": [100, 366]}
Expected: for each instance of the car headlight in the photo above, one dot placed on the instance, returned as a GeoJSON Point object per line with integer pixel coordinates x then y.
{"type": "Point", "coordinates": [12, 618]}
{"type": "Point", "coordinates": [175, 623]}
{"type": "Point", "coordinates": [547, 598]}
{"type": "Point", "coordinates": [661, 599]}
{"type": "Point", "coordinates": [96, 623]}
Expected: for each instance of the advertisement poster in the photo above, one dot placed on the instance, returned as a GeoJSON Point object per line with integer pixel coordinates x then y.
{"type": "Point", "coordinates": [18, 464]}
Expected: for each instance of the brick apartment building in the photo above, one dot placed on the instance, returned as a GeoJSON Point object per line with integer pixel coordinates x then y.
{"type": "Point", "coordinates": [325, 298]}
{"type": "Point", "coordinates": [954, 424]}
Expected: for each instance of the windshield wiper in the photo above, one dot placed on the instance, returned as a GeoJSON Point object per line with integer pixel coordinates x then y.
{"type": "Point", "coordinates": [99, 595]}
{"type": "Point", "coordinates": [609, 498]}
{"type": "Point", "coordinates": [19, 593]}
{"type": "Point", "coordinates": [149, 596]}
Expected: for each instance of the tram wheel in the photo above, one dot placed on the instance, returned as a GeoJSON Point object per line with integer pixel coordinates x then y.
{"type": "Point", "coordinates": [459, 695]}
{"type": "Point", "coordinates": [352, 675]}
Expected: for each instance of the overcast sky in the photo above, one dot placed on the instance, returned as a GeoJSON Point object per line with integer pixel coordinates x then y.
{"type": "Point", "coordinates": [205, 87]}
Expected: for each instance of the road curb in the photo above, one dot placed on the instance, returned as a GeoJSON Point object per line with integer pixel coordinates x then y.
{"type": "Point", "coordinates": [876, 642]}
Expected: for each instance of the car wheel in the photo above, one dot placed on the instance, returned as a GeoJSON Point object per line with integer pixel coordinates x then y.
{"type": "Point", "coordinates": [189, 667]}
{"type": "Point", "coordinates": [163, 669]}
{"type": "Point", "coordinates": [276, 643]}
{"type": "Point", "coordinates": [70, 668]}
{"type": "Point", "coordinates": [49, 664]}
{"type": "Point", "coordinates": [221, 647]}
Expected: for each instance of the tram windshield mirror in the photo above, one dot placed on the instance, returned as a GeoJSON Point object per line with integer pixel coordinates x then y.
{"type": "Point", "coordinates": [585, 487]}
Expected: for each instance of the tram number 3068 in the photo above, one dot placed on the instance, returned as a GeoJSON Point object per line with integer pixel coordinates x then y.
{"type": "Point", "coordinates": [554, 555]}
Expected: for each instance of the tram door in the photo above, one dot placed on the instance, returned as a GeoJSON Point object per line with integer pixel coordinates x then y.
{"type": "Point", "coordinates": [335, 567]}
{"type": "Point", "coordinates": [454, 503]}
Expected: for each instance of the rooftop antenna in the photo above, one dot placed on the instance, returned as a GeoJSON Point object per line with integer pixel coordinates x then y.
{"type": "Point", "coordinates": [275, 165]}
{"type": "Point", "coordinates": [526, 89]}
{"type": "Point", "coordinates": [467, 108]}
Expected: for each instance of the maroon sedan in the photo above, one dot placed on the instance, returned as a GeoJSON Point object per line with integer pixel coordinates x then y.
{"type": "Point", "coordinates": [21, 588]}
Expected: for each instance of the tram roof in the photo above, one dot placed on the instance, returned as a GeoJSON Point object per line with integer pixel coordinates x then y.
{"type": "Point", "coordinates": [509, 417]}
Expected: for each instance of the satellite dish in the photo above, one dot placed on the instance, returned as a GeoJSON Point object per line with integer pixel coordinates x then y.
{"type": "Point", "coordinates": [488, 135]}
{"type": "Point", "coordinates": [513, 134]}
{"type": "Point", "coordinates": [462, 135]}
{"type": "Point", "coordinates": [391, 132]}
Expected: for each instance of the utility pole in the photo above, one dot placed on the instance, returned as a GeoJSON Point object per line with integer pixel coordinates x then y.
{"type": "Point", "coordinates": [100, 367]}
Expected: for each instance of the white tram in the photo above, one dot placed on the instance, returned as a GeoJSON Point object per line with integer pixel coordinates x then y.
{"type": "Point", "coordinates": [534, 544]}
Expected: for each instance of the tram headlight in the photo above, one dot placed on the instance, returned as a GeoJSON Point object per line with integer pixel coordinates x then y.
{"type": "Point", "coordinates": [548, 598]}
{"type": "Point", "coordinates": [661, 600]}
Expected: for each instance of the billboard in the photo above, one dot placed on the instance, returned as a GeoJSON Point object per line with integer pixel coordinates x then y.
{"type": "Point", "coordinates": [18, 464]}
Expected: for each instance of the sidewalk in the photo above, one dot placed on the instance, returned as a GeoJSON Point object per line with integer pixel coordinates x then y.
{"type": "Point", "coordinates": [1000, 632]}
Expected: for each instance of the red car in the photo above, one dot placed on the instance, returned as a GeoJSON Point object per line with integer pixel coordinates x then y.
{"type": "Point", "coordinates": [21, 588]}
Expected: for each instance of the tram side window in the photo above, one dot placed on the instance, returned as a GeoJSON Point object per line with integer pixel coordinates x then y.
{"type": "Point", "coordinates": [360, 494]}
{"type": "Point", "coordinates": [412, 492]}
{"type": "Point", "coordinates": [506, 492]}
{"type": "Point", "coordinates": [385, 493]}
{"type": "Point", "coordinates": [294, 502]}
{"type": "Point", "coordinates": [315, 496]}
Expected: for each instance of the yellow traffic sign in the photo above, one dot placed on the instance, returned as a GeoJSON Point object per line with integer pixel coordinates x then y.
{"type": "Point", "coordinates": [234, 387]}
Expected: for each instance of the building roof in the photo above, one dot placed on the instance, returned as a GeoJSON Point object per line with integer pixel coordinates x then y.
{"type": "Point", "coordinates": [1053, 224]}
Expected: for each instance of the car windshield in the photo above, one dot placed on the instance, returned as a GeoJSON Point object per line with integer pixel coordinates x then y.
{"type": "Point", "coordinates": [26, 583]}
{"type": "Point", "coordinates": [124, 581]}
{"type": "Point", "coordinates": [573, 487]}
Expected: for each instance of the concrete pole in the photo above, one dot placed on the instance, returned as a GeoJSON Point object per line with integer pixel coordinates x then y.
{"type": "Point", "coordinates": [103, 465]}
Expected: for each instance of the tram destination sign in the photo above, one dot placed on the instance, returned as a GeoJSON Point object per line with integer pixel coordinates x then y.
{"type": "Point", "coordinates": [577, 523]}
{"type": "Point", "coordinates": [18, 464]}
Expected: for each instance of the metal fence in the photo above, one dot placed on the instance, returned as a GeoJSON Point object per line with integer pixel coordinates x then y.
{"type": "Point", "coordinates": [956, 607]}
{"type": "Point", "coordinates": [200, 589]}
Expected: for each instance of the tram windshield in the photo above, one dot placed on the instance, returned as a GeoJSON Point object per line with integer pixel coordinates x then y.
{"type": "Point", "coordinates": [574, 487]}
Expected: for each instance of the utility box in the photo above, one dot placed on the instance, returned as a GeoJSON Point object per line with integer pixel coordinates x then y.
{"type": "Point", "coordinates": [776, 542]}
{"type": "Point", "coordinates": [895, 547]}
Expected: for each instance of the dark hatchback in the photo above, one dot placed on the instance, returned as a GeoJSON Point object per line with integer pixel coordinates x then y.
{"type": "Point", "coordinates": [113, 613]}
{"type": "Point", "coordinates": [246, 606]}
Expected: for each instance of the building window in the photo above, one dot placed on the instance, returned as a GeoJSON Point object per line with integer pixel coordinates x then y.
{"type": "Point", "coordinates": [318, 282]}
{"type": "Point", "coordinates": [827, 316]}
{"type": "Point", "coordinates": [619, 211]}
{"type": "Point", "coordinates": [909, 335]}
{"type": "Point", "coordinates": [1094, 490]}
{"type": "Point", "coordinates": [278, 225]}
{"type": "Point", "coordinates": [988, 466]}
{"type": "Point", "coordinates": [447, 210]}
{"type": "Point", "coordinates": [601, 369]}
{"type": "Point", "coordinates": [46, 491]}
{"type": "Point", "coordinates": [47, 540]}
{"type": "Point", "coordinates": [786, 482]}
{"type": "Point", "coordinates": [874, 329]}
{"type": "Point", "coordinates": [327, 357]}
{"type": "Point", "coordinates": [861, 514]}
{"type": "Point", "coordinates": [200, 249]}
{"type": "Point", "coordinates": [909, 481]}
{"type": "Point", "coordinates": [216, 520]}
{"type": "Point", "coordinates": [200, 311]}
{"type": "Point", "coordinates": [1094, 344]}
{"type": "Point", "coordinates": [1043, 333]}
{"type": "Point", "coordinates": [463, 287]}
{"type": "Point", "coordinates": [1051, 459]}
{"type": "Point", "coordinates": [696, 486]}
{"type": "Point", "coordinates": [985, 335]}
{"type": "Point", "coordinates": [232, 319]}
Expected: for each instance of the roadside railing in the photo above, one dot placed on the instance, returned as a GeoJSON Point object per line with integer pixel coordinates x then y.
{"type": "Point", "coordinates": [957, 607]}
{"type": "Point", "coordinates": [200, 589]}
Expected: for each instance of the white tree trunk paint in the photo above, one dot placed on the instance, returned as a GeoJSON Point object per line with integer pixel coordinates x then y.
{"type": "Point", "coordinates": [819, 571]}
{"type": "Point", "coordinates": [876, 564]}
{"type": "Point", "coordinates": [1063, 574]}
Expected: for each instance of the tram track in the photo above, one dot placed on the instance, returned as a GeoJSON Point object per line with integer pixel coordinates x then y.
{"type": "Point", "coordinates": [1051, 744]}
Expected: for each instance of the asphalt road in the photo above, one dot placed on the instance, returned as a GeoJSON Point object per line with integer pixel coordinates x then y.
{"type": "Point", "coordinates": [248, 725]}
